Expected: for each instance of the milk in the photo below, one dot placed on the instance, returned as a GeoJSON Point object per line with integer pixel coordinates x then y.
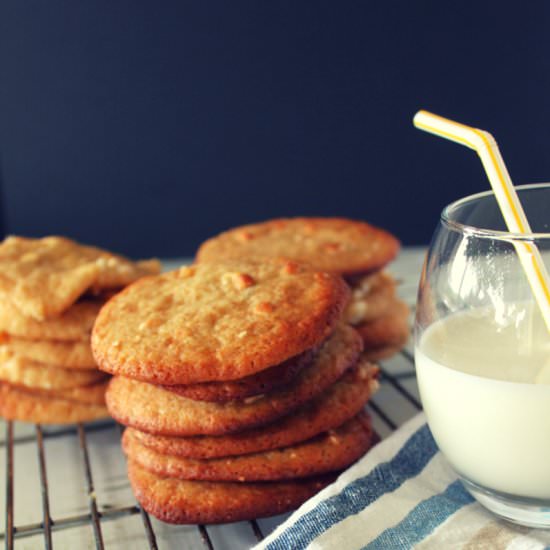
{"type": "Point", "coordinates": [485, 388]}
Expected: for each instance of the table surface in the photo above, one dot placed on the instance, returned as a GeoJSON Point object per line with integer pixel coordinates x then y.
{"type": "Point", "coordinates": [64, 453]}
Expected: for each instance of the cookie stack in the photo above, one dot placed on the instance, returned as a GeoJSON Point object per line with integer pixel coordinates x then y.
{"type": "Point", "coordinates": [51, 291]}
{"type": "Point", "coordinates": [242, 389]}
{"type": "Point", "coordinates": [356, 250]}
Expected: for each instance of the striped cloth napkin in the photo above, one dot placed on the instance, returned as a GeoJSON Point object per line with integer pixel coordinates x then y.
{"type": "Point", "coordinates": [402, 494]}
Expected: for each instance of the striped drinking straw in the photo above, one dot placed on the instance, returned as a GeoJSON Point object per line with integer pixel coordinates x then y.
{"type": "Point", "coordinates": [486, 147]}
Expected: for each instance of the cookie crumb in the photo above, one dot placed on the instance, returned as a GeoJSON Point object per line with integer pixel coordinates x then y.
{"type": "Point", "coordinates": [240, 280]}
{"type": "Point", "coordinates": [245, 236]}
{"type": "Point", "coordinates": [186, 271]}
{"type": "Point", "coordinates": [290, 268]}
{"type": "Point", "coordinates": [265, 307]}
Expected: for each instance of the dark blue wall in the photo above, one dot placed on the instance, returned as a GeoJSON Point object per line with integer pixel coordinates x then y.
{"type": "Point", "coordinates": [148, 126]}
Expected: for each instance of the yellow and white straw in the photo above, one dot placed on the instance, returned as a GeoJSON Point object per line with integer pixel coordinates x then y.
{"type": "Point", "coordinates": [514, 216]}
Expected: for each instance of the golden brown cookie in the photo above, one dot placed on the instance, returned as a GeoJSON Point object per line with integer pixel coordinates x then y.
{"type": "Point", "coordinates": [20, 371]}
{"type": "Point", "coordinates": [216, 322]}
{"type": "Point", "coordinates": [155, 410]}
{"type": "Point", "coordinates": [93, 394]}
{"type": "Point", "coordinates": [328, 452]}
{"type": "Point", "coordinates": [262, 382]}
{"type": "Point", "coordinates": [390, 330]}
{"type": "Point", "coordinates": [68, 355]}
{"type": "Point", "coordinates": [369, 303]}
{"type": "Point", "coordinates": [330, 409]}
{"type": "Point", "coordinates": [44, 277]}
{"type": "Point", "coordinates": [177, 501]}
{"type": "Point", "coordinates": [18, 404]}
{"type": "Point", "coordinates": [75, 324]}
{"type": "Point", "coordinates": [336, 245]}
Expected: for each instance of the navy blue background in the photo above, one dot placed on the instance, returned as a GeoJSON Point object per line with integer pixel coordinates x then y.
{"type": "Point", "coordinates": [148, 126]}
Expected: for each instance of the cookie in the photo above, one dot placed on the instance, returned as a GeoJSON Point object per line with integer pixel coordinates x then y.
{"type": "Point", "coordinates": [330, 409]}
{"type": "Point", "coordinates": [18, 404]}
{"type": "Point", "coordinates": [74, 324]}
{"type": "Point", "coordinates": [44, 277]}
{"type": "Point", "coordinates": [336, 245]}
{"type": "Point", "coordinates": [68, 355]}
{"type": "Point", "coordinates": [153, 409]}
{"type": "Point", "coordinates": [325, 453]}
{"type": "Point", "coordinates": [93, 394]}
{"type": "Point", "coordinates": [177, 501]}
{"type": "Point", "coordinates": [261, 382]}
{"type": "Point", "coordinates": [20, 371]}
{"type": "Point", "coordinates": [390, 330]}
{"type": "Point", "coordinates": [369, 300]}
{"type": "Point", "coordinates": [216, 322]}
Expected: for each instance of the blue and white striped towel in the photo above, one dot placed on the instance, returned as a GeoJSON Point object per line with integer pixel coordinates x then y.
{"type": "Point", "coordinates": [402, 494]}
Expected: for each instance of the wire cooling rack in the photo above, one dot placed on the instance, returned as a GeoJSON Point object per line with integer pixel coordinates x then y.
{"type": "Point", "coordinates": [67, 487]}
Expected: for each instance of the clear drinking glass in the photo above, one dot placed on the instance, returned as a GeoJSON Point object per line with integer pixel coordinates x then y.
{"type": "Point", "coordinates": [482, 353]}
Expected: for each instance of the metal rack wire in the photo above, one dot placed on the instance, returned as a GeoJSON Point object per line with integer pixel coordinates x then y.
{"type": "Point", "coordinates": [99, 515]}
{"type": "Point", "coordinates": [396, 401]}
{"type": "Point", "coordinates": [96, 515]}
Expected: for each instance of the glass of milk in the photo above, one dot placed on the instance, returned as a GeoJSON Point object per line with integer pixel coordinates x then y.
{"type": "Point", "coordinates": [482, 353]}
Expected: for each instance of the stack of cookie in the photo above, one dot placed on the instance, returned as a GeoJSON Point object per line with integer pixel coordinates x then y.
{"type": "Point", "coordinates": [51, 291]}
{"type": "Point", "coordinates": [242, 389]}
{"type": "Point", "coordinates": [356, 250]}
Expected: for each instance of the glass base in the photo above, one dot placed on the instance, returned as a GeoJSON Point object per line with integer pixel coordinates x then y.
{"type": "Point", "coordinates": [521, 510]}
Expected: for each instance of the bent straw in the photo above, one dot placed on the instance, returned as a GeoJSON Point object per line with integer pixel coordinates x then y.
{"type": "Point", "coordinates": [514, 216]}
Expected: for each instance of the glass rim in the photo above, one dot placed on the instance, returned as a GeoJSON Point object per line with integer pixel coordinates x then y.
{"type": "Point", "coordinates": [490, 233]}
